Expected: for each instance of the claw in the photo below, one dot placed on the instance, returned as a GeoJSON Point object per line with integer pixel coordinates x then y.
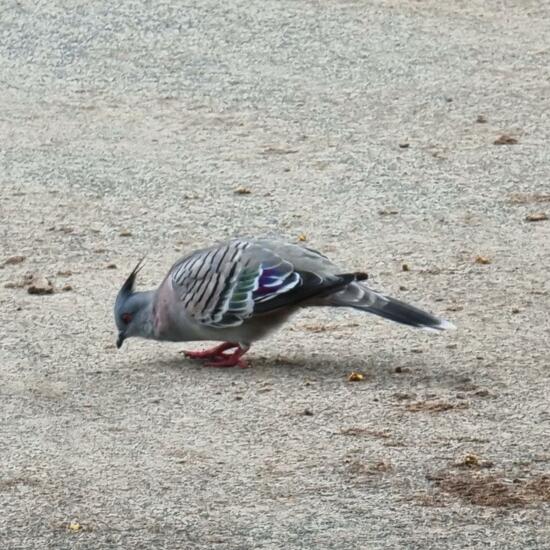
{"type": "Point", "coordinates": [211, 353]}
{"type": "Point", "coordinates": [230, 359]}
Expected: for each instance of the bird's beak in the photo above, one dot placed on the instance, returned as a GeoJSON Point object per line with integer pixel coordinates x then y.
{"type": "Point", "coordinates": [120, 339]}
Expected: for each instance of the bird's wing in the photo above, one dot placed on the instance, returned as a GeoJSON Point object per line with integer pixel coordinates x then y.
{"type": "Point", "coordinates": [224, 285]}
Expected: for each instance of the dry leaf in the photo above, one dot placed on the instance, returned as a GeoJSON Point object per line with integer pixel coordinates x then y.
{"type": "Point", "coordinates": [356, 377]}
{"type": "Point", "coordinates": [242, 191]}
{"type": "Point", "coordinates": [538, 217]}
{"type": "Point", "coordinates": [471, 460]}
{"type": "Point", "coordinates": [14, 260]}
{"type": "Point", "coordinates": [74, 526]}
{"type": "Point", "coordinates": [482, 260]}
{"type": "Point", "coordinates": [505, 139]}
{"type": "Point", "coordinates": [279, 151]}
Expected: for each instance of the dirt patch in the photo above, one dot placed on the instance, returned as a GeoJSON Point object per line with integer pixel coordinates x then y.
{"type": "Point", "coordinates": [493, 490]}
{"type": "Point", "coordinates": [529, 198]}
{"type": "Point", "coordinates": [358, 432]}
{"type": "Point", "coordinates": [7, 484]}
{"type": "Point", "coordinates": [434, 406]}
{"type": "Point", "coordinates": [473, 462]}
{"type": "Point", "coordinates": [358, 468]}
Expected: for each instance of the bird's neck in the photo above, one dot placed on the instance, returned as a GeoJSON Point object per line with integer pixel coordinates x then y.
{"type": "Point", "coordinates": [145, 318]}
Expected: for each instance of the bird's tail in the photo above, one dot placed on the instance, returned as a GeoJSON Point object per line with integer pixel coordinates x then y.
{"type": "Point", "coordinates": [358, 295]}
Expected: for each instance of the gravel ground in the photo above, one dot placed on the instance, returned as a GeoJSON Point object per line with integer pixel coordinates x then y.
{"type": "Point", "coordinates": [366, 127]}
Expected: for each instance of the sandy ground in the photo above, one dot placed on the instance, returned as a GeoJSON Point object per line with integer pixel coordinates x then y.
{"type": "Point", "coordinates": [125, 129]}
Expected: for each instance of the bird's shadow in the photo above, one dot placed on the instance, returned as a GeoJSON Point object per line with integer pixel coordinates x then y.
{"type": "Point", "coordinates": [381, 370]}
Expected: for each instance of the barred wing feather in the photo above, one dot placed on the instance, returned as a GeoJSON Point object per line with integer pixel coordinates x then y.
{"type": "Point", "coordinates": [224, 285]}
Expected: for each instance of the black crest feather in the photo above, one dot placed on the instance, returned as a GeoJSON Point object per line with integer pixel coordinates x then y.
{"type": "Point", "coordinates": [128, 287]}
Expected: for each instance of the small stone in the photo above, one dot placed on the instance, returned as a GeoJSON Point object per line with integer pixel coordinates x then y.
{"type": "Point", "coordinates": [125, 233]}
{"type": "Point", "coordinates": [481, 119]}
{"type": "Point", "coordinates": [39, 286]}
{"type": "Point", "coordinates": [66, 288]}
{"type": "Point", "coordinates": [402, 370]}
{"type": "Point", "coordinates": [356, 377]}
{"type": "Point", "coordinates": [111, 266]}
{"type": "Point", "coordinates": [307, 412]}
{"type": "Point", "coordinates": [242, 191]}
{"type": "Point", "coordinates": [482, 260]}
{"type": "Point", "coordinates": [66, 273]}
{"type": "Point", "coordinates": [405, 267]}
{"type": "Point", "coordinates": [402, 396]}
{"type": "Point", "coordinates": [404, 145]}
{"type": "Point", "coordinates": [515, 310]}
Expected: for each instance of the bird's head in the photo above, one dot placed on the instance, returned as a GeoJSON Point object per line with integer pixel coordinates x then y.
{"type": "Point", "coordinates": [129, 308]}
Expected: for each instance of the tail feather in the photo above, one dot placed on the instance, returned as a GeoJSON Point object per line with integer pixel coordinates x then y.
{"type": "Point", "coordinates": [359, 296]}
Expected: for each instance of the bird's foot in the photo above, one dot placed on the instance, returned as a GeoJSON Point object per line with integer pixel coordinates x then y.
{"type": "Point", "coordinates": [230, 359]}
{"type": "Point", "coordinates": [212, 353]}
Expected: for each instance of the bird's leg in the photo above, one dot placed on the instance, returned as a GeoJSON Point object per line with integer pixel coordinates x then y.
{"type": "Point", "coordinates": [211, 353]}
{"type": "Point", "coordinates": [231, 359]}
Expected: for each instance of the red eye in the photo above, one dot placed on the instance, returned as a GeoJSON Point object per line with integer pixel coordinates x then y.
{"type": "Point", "coordinates": [126, 318]}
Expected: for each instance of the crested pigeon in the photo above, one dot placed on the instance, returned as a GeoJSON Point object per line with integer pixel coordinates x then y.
{"type": "Point", "coordinates": [239, 291]}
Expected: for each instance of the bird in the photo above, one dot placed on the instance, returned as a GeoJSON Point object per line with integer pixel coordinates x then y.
{"type": "Point", "coordinates": [241, 290]}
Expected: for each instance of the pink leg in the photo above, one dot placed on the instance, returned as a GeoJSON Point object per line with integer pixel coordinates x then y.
{"type": "Point", "coordinates": [231, 359]}
{"type": "Point", "coordinates": [211, 353]}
